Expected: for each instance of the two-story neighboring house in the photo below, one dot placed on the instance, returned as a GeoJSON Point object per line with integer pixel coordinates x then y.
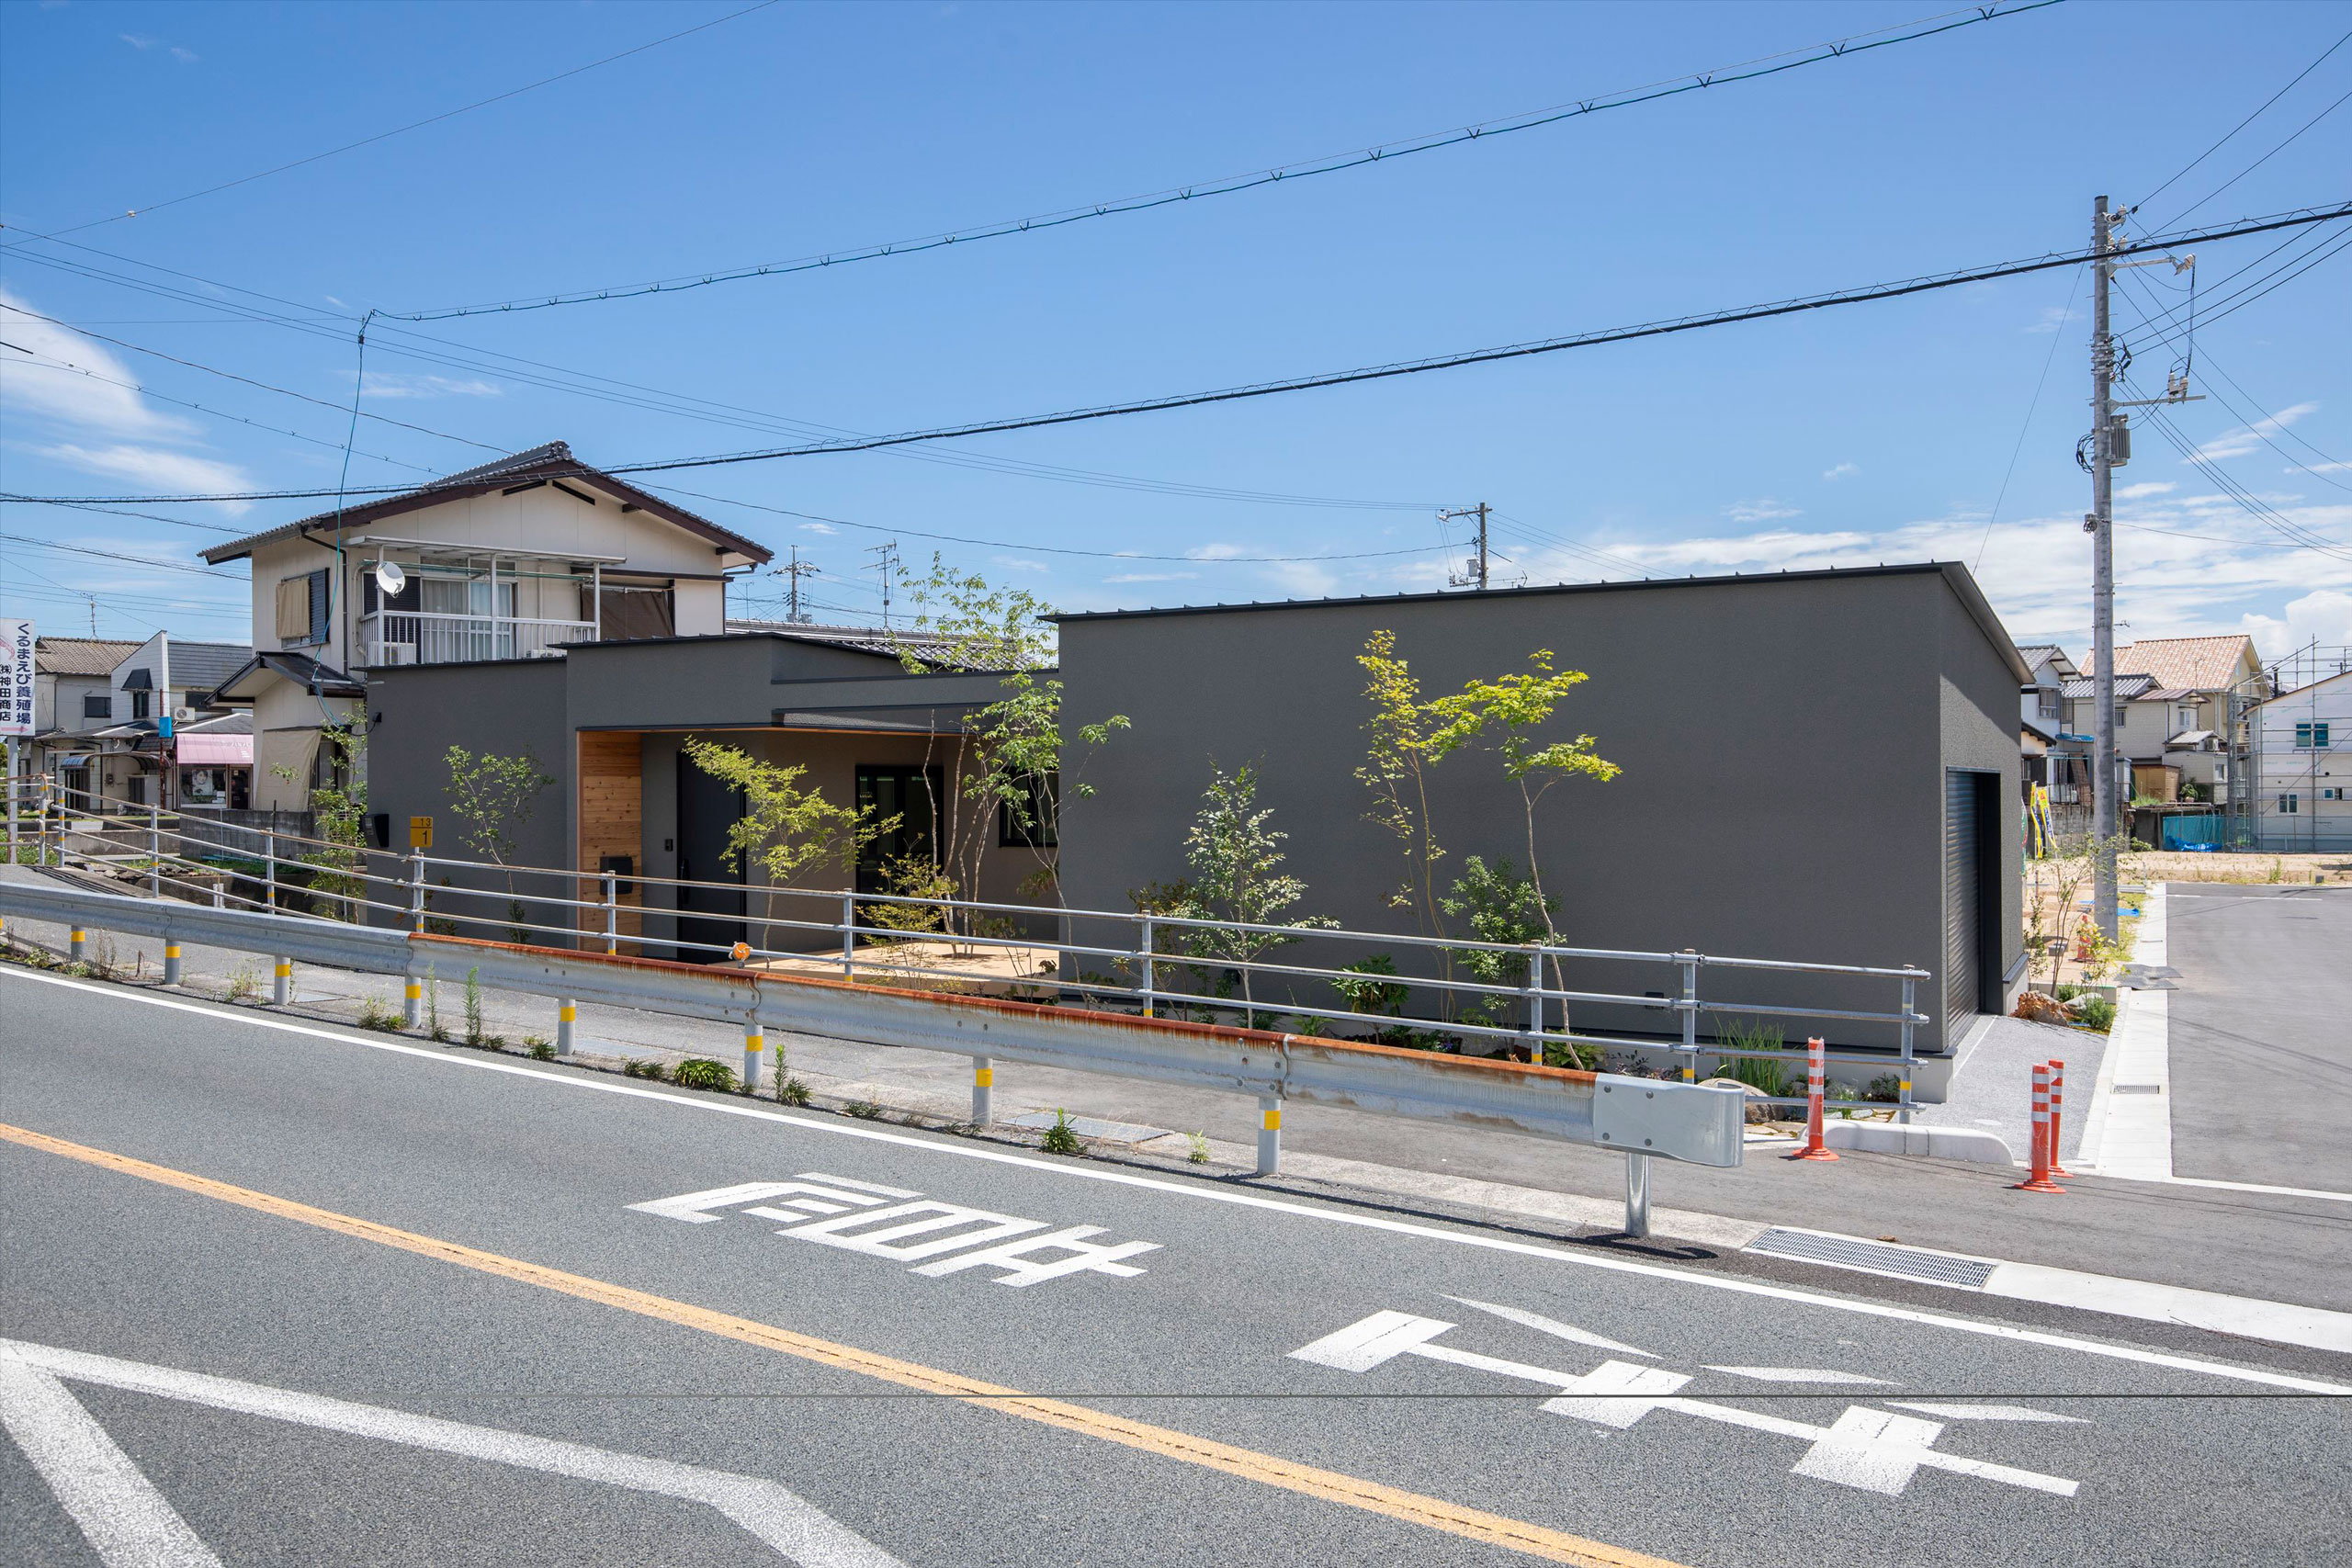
{"type": "Point", "coordinates": [2180, 719]}
{"type": "Point", "coordinates": [513, 559]}
{"type": "Point", "coordinates": [129, 763]}
{"type": "Point", "coordinates": [72, 699]}
{"type": "Point", "coordinates": [2302, 745]}
{"type": "Point", "coordinates": [2041, 725]}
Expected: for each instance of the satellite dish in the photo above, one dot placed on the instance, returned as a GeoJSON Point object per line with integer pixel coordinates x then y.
{"type": "Point", "coordinates": [391, 579]}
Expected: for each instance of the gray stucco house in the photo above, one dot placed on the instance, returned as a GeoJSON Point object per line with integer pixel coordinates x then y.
{"type": "Point", "coordinates": [1818, 766]}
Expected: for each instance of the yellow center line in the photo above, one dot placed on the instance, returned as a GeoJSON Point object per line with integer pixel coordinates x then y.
{"type": "Point", "coordinates": [1331, 1486]}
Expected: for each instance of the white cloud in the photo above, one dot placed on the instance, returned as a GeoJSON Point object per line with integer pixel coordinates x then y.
{"type": "Point", "coordinates": [1214, 552]}
{"type": "Point", "coordinates": [2322, 468]}
{"type": "Point", "coordinates": [1841, 471]}
{"type": "Point", "coordinates": [818, 528]}
{"type": "Point", "coordinates": [1020, 563]}
{"type": "Point", "coordinates": [154, 468]}
{"type": "Point", "coordinates": [1764, 510]}
{"type": "Point", "coordinates": [2247, 437]}
{"type": "Point", "coordinates": [188, 55]}
{"type": "Point", "coordinates": [140, 42]}
{"type": "Point", "coordinates": [2325, 617]}
{"type": "Point", "coordinates": [1150, 575]}
{"type": "Point", "coordinates": [382, 384]}
{"type": "Point", "coordinates": [2053, 317]}
{"type": "Point", "coordinates": [2141, 492]}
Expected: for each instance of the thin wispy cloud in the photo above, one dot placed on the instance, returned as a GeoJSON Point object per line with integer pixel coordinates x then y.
{"type": "Point", "coordinates": [1763, 510]}
{"type": "Point", "coordinates": [2141, 492]}
{"type": "Point", "coordinates": [384, 384]}
{"type": "Point", "coordinates": [152, 469]}
{"type": "Point", "coordinates": [818, 528]}
{"type": "Point", "coordinates": [1841, 471]}
{"type": "Point", "coordinates": [147, 42]}
{"type": "Point", "coordinates": [2053, 317]}
{"type": "Point", "coordinates": [1150, 575]}
{"type": "Point", "coordinates": [2246, 438]}
{"type": "Point", "coordinates": [1020, 563]}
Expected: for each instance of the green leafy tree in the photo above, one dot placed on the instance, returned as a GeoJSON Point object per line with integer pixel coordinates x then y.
{"type": "Point", "coordinates": [338, 860]}
{"type": "Point", "coordinates": [1501, 906]}
{"type": "Point", "coordinates": [492, 796]}
{"type": "Point", "coordinates": [785, 827]}
{"type": "Point", "coordinates": [1397, 759]}
{"type": "Point", "coordinates": [1237, 876]}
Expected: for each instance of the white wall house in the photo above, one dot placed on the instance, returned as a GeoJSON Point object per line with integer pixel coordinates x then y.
{"type": "Point", "coordinates": [514, 559]}
{"type": "Point", "coordinates": [2302, 769]}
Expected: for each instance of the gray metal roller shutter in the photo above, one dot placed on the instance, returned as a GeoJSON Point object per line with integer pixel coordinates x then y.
{"type": "Point", "coordinates": [1962, 917]}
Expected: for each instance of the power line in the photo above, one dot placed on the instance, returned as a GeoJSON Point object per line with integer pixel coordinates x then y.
{"type": "Point", "coordinates": [120, 556]}
{"type": "Point", "coordinates": [417, 125]}
{"type": "Point", "coordinates": [2011, 472]}
{"type": "Point", "coordinates": [2259, 161]}
{"type": "Point", "coordinates": [6, 499]}
{"type": "Point", "coordinates": [1382, 372]}
{"type": "Point", "coordinates": [1747, 70]}
{"type": "Point", "coordinates": [2241, 125]}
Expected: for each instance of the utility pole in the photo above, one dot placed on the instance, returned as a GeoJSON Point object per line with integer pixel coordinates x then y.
{"type": "Point", "coordinates": [2100, 524]}
{"type": "Point", "coordinates": [886, 556]}
{"type": "Point", "coordinates": [1477, 574]}
{"type": "Point", "coordinates": [793, 574]}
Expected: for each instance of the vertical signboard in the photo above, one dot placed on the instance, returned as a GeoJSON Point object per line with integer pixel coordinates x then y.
{"type": "Point", "coordinates": [17, 665]}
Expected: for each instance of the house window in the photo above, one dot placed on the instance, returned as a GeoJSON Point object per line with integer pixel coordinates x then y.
{"type": "Point", "coordinates": [97, 705]}
{"type": "Point", "coordinates": [1035, 821]}
{"type": "Point", "coordinates": [917, 797]}
{"type": "Point", "coordinates": [303, 608]}
{"type": "Point", "coordinates": [2312, 736]}
{"type": "Point", "coordinates": [140, 705]}
{"type": "Point", "coordinates": [2289, 805]}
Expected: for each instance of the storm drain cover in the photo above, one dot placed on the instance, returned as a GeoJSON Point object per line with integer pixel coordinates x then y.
{"type": "Point", "coordinates": [1877, 1257]}
{"type": "Point", "coordinates": [2139, 1089]}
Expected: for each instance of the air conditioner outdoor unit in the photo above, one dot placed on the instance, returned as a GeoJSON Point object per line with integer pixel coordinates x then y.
{"type": "Point", "coordinates": [396, 653]}
{"type": "Point", "coordinates": [182, 716]}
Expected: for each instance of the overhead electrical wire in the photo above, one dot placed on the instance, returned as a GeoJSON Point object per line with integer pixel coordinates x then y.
{"type": "Point", "coordinates": [2241, 125]}
{"type": "Point", "coordinates": [2263, 511]}
{"type": "Point", "coordinates": [1382, 372]}
{"type": "Point", "coordinates": [2027, 426]}
{"type": "Point", "coordinates": [1747, 70]}
{"type": "Point", "coordinates": [122, 556]}
{"type": "Point", "coordinates": [154, 207]}
{"type": "Point", "coordinates": [2241, 173]}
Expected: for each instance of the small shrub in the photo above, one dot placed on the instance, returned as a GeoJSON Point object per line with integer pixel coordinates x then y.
{"type": "Point", "coordinates": [1844, 1092]}
{"type": "Point", "coordinates": [864, 1110]}
{"type": "Point", "coordinates": [245, 983]}
{"type": "Point", "coordinates": [541, 1051]}
{"type": "Point", "coordinates": [791, 1091]}
{"type": "Point", "coordinates": [701, 1072]}
{"type": "Point", "coordinates": [2095, 1013]}
{"type": "Point", "coordinates": [433, 1005]}
{"type": "Point", "coordinates": [374, 1014]}
{"type": "Point", "coordinates": [1769, 1074]}
{"type": "Point", "coordinates": [1199, 1152]}
{"type": "Point", "coordinates": [1059, 1138]}
{"type": "Point", "coordinates": [1885, 1089]}
{"type": "Point", "coordinates": [2068, 993]}
{"type": "Point", "coordinates": [637, 1070]}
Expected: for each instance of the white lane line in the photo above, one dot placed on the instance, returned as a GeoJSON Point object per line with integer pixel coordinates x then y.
{"type": "Point", "coordinates": [1797, 1374]}
{"type": "Point", "coordinates": [1553, 1326]}
{"type": "Point", "coordinates": [1206, 1194]}
{"type": "Point", "coordinates": [795, 1528]}
{"type": "Point", "coordinates": [124, 1518]}
{"type": "Point", "coordinates": [1984, 1411]}
{"type": "Point", "coordinates": [2253, 1186]}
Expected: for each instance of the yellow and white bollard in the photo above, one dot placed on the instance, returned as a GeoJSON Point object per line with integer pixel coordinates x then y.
{"type": "Point", "coordinates": [412, 1002]}
{"type": "Point", "coordinates": [75, 937]}
{"type": "Point", "coordinates": [283, 992]}
{"type": "Point", "coordinates": [1270, 1134]}
{"type": "Point", "coordinates": [983, 1090]}
{"type": "Point", "coordinates": [755, 1042]}
{"type": "Point", "coordinates": [171, 964]}
{"type": "Point", "coordinates": [567, 1013]}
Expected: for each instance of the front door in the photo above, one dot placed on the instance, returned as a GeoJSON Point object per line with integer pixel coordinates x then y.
{"type": "Point", "coordinates": [710, 919]}
{"type": "Point", "coordinates": [916, 797]}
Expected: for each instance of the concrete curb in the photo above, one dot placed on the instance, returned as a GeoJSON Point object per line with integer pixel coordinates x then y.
{"type": "Point", "coordinates": [1933, 1143]}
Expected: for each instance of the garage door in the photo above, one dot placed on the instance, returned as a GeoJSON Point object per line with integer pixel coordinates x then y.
{"type": "Point", "coordinates": [1964, 909]}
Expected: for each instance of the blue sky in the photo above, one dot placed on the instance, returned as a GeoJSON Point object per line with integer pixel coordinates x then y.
{"type": "Point", "coordinates": [1884, 432]}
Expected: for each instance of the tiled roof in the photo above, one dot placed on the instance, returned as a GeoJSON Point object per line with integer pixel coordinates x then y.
{"type": "Point", "coordinates": [2034, 653]}
{"type": "Point", "coordinates": [201, 666]}
{"type": "Point", "coordinates": [2125, 687]}
{"type": "Point", "coordinates": [863, 640]}
{"type": "Point", "coordinates": [2198, 663]}
{"type": "Point", "coordinates": [79, 655]}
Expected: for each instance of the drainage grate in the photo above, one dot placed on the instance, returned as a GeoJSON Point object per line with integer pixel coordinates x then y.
{"type": "Point", "coordinates": [1875, 1257]}
{"type": "Point", "coordinates": [2139, 1089]}
{"type": "Point", "coordinates": [1090, 1127]}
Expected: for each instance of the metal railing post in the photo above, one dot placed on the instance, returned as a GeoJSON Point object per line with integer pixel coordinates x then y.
{"type": "Point", "coordinates": [75, 937]}
{"type": "Point", "coordinates": [1689, 960]}
{"type": "Point", "coordinates": [849, 934]}
{"type": "Point", "coordinates": [983, 1090]}
{"type": "Point", "coordinates": [1902, 1095]}
{"type": "Point", "coordinates": [154, 849]}
{"type": "Point", "coordinates": [1270, 1134]}
{"type": "Point", "coordinates": [612, 913]}
{"type": "Point", "coordinates": [283, 991]}
{"type": "Point", "coordinates": [415, 893]}
{"type": "Point", "coordinates": [1637, 1194]}
{"type": "Point", "coordinates": [269, 869]}
{"type": "Point", "coordinates": [567, 1012]}
{"type": "Point", "coordinates": [1150, 972]}
{"type": "Point", "coordinates": [171, 962]}
{"type": "Point", "coordinates": [1535, 1005]}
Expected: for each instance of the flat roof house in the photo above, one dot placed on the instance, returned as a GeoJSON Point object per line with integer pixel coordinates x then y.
{"type": "Point", "coordinates": [1818, 766]}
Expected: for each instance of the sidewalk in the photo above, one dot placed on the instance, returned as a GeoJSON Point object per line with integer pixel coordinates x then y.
{"type": "Point", "coordinates": [2280, 1248]}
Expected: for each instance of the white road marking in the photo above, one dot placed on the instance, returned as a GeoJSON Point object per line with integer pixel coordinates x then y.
{"type": "Point", "coordinates": [924, 1217]}
{"type": "Point", "coordinates": [1213, 1194]}
{"type": "Point", "coordinates": [118, 1509]}
{"type": "Point", "coordinates": [695, 1208]}
{"type": "Point", "coordinates": [1984, 1411]}
{"type": "Point", "coordinates": [1869, 1449]}
{"type": "Point", "coordinates": [1021, 1267]}
{"type": "Point", "coordinates": [1796, 1374]}
{"type": "Point", "coordinates": [1553, 1326]}
{"type": "Point", "coordinates": [793, 1527]}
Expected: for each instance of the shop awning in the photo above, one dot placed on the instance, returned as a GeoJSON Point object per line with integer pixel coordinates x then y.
{"type": "Point", "coordinates": [216, 751]}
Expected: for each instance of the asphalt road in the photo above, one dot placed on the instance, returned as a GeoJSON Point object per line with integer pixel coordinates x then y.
{"type": "Point", "coordinates": [305, 1366]}
{"type": "Point", "coordinates": [2262, 1034]}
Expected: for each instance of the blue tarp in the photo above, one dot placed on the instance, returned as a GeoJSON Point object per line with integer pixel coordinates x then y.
{"type": "Point", "coordinates": [2202, 831]}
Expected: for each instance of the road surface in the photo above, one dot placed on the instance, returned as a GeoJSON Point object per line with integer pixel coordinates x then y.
{"type": "Point", "coordinates": [272, 1292]}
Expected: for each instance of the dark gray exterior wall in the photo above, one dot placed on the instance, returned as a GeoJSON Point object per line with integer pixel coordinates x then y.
{"type": "Point", "coordinates": [1784, 740]}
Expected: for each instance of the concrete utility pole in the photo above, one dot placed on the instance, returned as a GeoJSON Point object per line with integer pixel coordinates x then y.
{"type": "Point", "coordinates": [793, 574]}
{"type": "Point", "coordinates": [2100, 525]}
{"type": "Point", "coordinates": [1477, 575]}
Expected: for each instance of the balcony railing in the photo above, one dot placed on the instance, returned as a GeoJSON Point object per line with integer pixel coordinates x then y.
{"type": "Point", "coordinates": [425, 637]}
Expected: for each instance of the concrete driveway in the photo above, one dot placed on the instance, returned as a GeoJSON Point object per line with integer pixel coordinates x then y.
{"type": "Point", "coordinates": [2262, 1034]}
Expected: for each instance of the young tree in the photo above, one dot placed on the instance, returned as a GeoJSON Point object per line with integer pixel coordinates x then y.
{"type": "Point", "coordinates": [1394, 770]}
{"type": "Point", "coordinates": [1236, 858]}
{"type": "Point", "coordinates": [339, 818]}
{"type": "Point", "coordinates": [784, 829]}
{"type": "Point", "coordinates": [1502, 906]}
{"type": "Point", "coordinates": [493, 797]}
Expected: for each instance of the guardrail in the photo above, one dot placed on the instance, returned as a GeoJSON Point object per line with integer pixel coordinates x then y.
{"type": "Point", "coordinates": [1644, 1118]}
{"type": "Point", "coordinates": [1522, 1006]}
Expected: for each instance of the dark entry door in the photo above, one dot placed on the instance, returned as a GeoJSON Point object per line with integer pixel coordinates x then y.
{"type": "Point", "coordinates": [707, 807]}
{"type": "Point", "coordinates": [913, 796]}
{"type": "Point", "coordinates": [1970, 902]}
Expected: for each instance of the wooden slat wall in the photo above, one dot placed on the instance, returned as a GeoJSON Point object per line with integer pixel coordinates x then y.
{"type": "Point", "coordinates": [612, 807]}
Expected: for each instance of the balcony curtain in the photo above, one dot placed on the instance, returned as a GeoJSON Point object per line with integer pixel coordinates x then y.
{"type": "Point", "coordinates": [631, 615]}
